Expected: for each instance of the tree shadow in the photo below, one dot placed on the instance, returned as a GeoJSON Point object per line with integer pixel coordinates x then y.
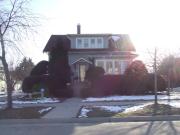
{"type": "Point", "coordinates": [166, 127]}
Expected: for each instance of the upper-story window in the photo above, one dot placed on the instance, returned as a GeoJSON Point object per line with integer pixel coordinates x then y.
{"type": "Point", "coordinates": [99, 42]}
{"type": "Point", "coordinates": [86, 43]}
{"type": "Point", "coordinates": [92, 42]}
{"type": "Point", "coordinates": [79, 43]}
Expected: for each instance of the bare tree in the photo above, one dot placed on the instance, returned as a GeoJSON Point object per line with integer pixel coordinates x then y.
{"type": "Point", "coordinates": [15, 22]}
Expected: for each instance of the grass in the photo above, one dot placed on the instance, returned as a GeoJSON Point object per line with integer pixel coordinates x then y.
{"type": "Point", "coordinates": [97, 112]}
{"type": "Point", "coordinates": [161, 109]}
{"type": "Point", "coordinates": [22, 113]}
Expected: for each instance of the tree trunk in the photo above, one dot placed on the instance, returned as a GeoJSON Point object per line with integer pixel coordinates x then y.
{"type": "Point", "coordinates": [6, 72]}
{"type": "Point", "coordinates": [8, 84]}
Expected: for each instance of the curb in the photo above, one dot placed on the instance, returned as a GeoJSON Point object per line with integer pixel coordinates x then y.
{"type": "Point", "coordinates": [91, 120]}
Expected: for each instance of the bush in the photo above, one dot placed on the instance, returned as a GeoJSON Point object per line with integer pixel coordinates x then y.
{"type": "Point", "coordinates": [34, 83]}
{"type": "Point", "coordinates": [40, 69]}
{"type": "Point", "coordinates": [58, 88]}
{"type": "Point", "coordinates": [106, 85]}
{"type": "Point", "coordinates": [93, 73]}
{"type": "Point", "coordinates": [133, 80]}
{"type": "Point", "coordinates": [161, 83]}
{"type": "Point", "coordinates": [86, 92]}
{"type": "Point", "coordinates": [29, 83]}
{"type": "Point", "coordinates": [102, 86]}
{"type": "Point", "coordinates": [53, 85]}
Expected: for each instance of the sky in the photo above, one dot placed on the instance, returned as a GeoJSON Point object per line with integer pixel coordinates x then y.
{"type": "Point", "coordinates": [150, 23]}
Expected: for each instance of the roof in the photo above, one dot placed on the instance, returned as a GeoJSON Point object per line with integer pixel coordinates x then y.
{"type": "Point", "coordinates": [55, 41]}
{"type": "Point", "coordinates": [95, 51]}
{"type": "Point", "coordinates": [81, 60]}
{"type": "Point", "coordinates": [120, 42]}
{"type": "Point", "coordinates": [94, 34]}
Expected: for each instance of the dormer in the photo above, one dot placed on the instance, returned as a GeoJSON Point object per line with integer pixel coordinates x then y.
{"type": "Point", "coordinates": [89, 43]}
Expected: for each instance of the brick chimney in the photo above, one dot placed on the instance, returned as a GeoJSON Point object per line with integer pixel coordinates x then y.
{"type": "Point", "coordinates": [78, 29]}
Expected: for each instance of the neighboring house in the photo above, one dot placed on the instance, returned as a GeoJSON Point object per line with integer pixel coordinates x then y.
{"type": "Point", "coordinates": [113, 52]}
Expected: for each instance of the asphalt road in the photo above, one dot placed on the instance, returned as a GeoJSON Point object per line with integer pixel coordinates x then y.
{"type": "Point", "coordinates": [122, 128]}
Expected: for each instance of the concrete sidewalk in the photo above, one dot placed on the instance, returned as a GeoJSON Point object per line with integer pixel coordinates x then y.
{"type": "Point", "coordinates": [67, 109]}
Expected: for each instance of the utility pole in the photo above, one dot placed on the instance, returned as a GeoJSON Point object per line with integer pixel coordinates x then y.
{"type": "Point", "coordinates": [155, 77]}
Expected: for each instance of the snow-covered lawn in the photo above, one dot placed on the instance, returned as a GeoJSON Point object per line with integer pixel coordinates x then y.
{"type": "Point", "coordinates": [130, 98]}
{"type": "Point", "coordinates": [38, 101]}
{"type": "Point", "coordinates": [2, 94]}
{"type": "Point", "coordinates": [114, 109]}
{"type": "Point", "coordinates": [15, 93]}
{"type": "Point", "coordinates": [125, 108]}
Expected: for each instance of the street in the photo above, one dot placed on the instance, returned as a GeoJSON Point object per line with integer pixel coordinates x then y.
{"type": "Point", "coordinates": [121, 128]}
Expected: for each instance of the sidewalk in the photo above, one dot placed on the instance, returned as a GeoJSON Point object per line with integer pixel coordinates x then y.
{"type": "Point", "coordinates": [66, 109]}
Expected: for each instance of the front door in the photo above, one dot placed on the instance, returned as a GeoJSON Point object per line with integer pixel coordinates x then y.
{"type": "Point", "coordinates": [82, 72]}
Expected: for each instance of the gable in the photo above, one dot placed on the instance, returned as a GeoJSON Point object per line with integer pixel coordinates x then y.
{"type": "Point", "coordinates": [81, 60]}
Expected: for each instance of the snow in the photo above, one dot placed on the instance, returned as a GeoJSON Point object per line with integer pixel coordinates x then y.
{"type": "Point", "coordinates": [135, 108]}
{"type": "Point", "coordinates": [15, 93]}
{"type": "Point", "coordinates": [41, 101]}
{"type": "Point", "coordinates": [84, 112]}
{"type": "Point", "coordinates": [111, 108]}
{"type": "Point", "coordinates": [175, 104]}
{"type": "Point", "coordinates": [2, 103]}
{"type": "Point", "coordinates": [172, 103]}
{"type": "Point", "coordinates": [2, 92]}
{"type": "Point", "coordinates": [45, 110]}
{"type": "Point", "coordinates": [38, 101]}
{"type": "Point", "coordinates": [115, 38]}
{"type": "Point", "coordinates": [126, 98]}
{"type": "Point", "coordinates": [124, 108]}
{"type": "Point", "coordinates": [86, 109]}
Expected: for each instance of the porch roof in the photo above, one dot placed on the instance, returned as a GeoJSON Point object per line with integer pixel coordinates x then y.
{"type": "Point", "coordinates": [81, 60]}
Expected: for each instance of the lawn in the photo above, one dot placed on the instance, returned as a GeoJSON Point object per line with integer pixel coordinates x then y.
{"type": "Point", "coordinates": [126, 111]}
{"type": "Point", "coordinates": [24, 113]}
{"type": "Point", "coordinates": [150, 110]}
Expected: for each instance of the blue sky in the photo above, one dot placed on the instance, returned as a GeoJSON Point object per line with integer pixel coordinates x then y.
{"type": "Point", "coordinates": [149, 23]}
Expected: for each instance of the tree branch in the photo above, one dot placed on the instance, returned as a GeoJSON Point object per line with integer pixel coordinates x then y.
{"type": "Point", "coordinates": [9, 18]}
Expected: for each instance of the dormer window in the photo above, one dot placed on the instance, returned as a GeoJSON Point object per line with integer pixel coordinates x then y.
{"type": "Point", "coordinates": [89, 43]}
{"type": "Point", "coordinates": [79, 43]}
{"type": "Point", "coordinates": [86, 43]}
{"type": "Point", "coordinates": [99, 42]}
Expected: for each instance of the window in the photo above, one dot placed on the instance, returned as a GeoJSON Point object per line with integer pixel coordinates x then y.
{"type": "Point", "coordinates": [86, 43]}
{"type": "Point", "coordinates": [92, 42]}
{"type": "Point", "coordinates": [99, 43]}
{"type": "Point", "coordinates": [112, 66]}
{"type": "Point", "coordinates": [117, 67]}
{"type": "Point", "coordinates": [100, 64]}
{"type": "Point", "coordinates": [124, 65]}
{"type": "Point", "coordinates": [79, 43]}
{"type": "Point", "coordinates": [109, 66]}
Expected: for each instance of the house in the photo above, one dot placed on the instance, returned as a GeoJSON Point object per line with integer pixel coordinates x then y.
{"type": "Point", "coordinates": [113, 52]}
